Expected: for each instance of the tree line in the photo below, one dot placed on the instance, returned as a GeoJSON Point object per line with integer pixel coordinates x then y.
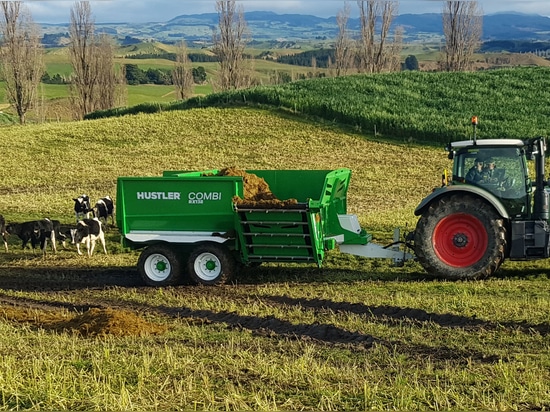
{"type": "Point", "coordinates": [193, 57]}
{"type": "Point", "coordinates": [135, 75]}
{"type": "Point", "coordinates": [322, 58]}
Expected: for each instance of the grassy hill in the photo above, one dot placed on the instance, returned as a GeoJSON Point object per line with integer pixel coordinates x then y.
{"type": "Point", "coordinates": [204, 139]}
{"type": "Point", "coordinates": [55, 105]}
{"type": "Point", "coordinates": [408, 106]}
{"type": "Point", "coordinates": [83, 333]}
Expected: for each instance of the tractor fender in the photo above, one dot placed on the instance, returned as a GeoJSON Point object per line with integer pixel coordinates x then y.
{"type": "Point", "coordinates": [443, 191]}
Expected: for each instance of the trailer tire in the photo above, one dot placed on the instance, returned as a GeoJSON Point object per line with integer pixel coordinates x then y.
{"type": "Point", "coordinates": [211, 264]}
{"type": "Point", "coordinates": [159, 265]}
{"type": "Point", "coordinates": [460, 237]}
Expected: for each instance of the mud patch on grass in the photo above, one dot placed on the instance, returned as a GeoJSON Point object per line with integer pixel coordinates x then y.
{"type": "Point", "coordinates": [91, 323]}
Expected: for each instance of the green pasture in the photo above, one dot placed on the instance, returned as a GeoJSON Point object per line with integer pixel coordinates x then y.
{"type": "Point", "coordinates": [56, 62]}
{"type": "Point", "coordinates": [357, 334]}
{"type": "Point", "coordinates": [54, 91]}
{"type": "Point", "coordinates": [135, 94]}
{"type": "Point", "coordinates": [145, 93]}
{"type": "Point", "coordinates": [63, 69]}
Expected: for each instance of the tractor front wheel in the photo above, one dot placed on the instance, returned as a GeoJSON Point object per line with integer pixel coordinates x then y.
{"type": "Point", "coordinates": [460, 237]}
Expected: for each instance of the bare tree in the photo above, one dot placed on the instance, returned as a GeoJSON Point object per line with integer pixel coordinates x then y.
{"type": "Point", "coordinates": [375, 53]}
{"type": "Point", "coordinates": [367, 13]}
{"type": "Point", "coordinates": [344, 52]}
{"type": "Point", "coordinates": [462, 27]}
{"type": "Point", "coordinates": [81, 50]}
{"type": "Point", "coordinates": [229, 46]}
{"type": "Point", "coordinates": [95, 83]}
{"type": "Point", "coordinates": [21, 57]}
{"type": "Point", "coordinates": [182, 74]}
{"type": "Point", "coordinates": [110, 82]}
{"type": "Point", "coordinates": [395, 48]}
{"type": "Point", "coordinates": [313, 66]}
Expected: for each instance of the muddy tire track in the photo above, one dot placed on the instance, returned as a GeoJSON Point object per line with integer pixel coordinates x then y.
{"type": "Point", "coordinates": [83, 283]}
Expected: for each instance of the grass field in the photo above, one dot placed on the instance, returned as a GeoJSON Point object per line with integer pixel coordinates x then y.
{"type": "Point", "coordinates": [84, 333]}
{"type": "Point", "coordinates": [55, 106]}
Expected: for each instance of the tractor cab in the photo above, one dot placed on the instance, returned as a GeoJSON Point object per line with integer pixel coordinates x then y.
{"type": "Point", "coordinates": [498, 166]}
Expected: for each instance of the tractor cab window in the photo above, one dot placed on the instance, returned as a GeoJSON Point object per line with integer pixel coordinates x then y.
{"type": "Point", "coordinates": [501, 171]}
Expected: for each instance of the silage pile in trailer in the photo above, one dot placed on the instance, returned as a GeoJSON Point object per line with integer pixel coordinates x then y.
{"type": "Point", "coordinates": [257, 193]}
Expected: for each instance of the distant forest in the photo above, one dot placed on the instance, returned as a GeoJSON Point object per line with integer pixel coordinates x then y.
{"type": "Point", "coordinates": [193, 57]}
{"type": "Point", "coordinates": [514, 46]}
{"type": "Point", "coordinates": [321, 57]}
{"type": "Point", "coordinates": [301, 59]}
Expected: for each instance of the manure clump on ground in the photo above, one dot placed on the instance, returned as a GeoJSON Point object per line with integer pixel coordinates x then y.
{"type": "Point", "coordinates": [91, 323]}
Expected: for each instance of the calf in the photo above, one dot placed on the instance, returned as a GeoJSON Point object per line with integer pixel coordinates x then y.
{"type": "Point", "coordinates": [62, 232]}
{"type": "Point", "coordinates": [65, 233]}
{"type": "Point", "coordinates": [88, 231]}
{"type": "Point", "coordinates": [27, 231]}
{"type": "Point", "coordinates": [104, 208]}
{"type": "Point", "coordinates": [47, 230]}
{"type": "Point", "coordinates": [3, 232]}
{"type": "Point", "coordinates": [82, 207]}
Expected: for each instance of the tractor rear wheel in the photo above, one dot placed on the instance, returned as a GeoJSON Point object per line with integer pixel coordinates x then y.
{"type": "Point", "coordinates": [460, 237]}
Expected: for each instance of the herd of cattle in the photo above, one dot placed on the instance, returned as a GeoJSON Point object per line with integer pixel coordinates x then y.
{"type": "Point", "coordinates": [87, 230]}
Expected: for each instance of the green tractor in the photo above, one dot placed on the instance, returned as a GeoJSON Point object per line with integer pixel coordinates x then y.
{"type": "Point", "coordinates": [490, 209]}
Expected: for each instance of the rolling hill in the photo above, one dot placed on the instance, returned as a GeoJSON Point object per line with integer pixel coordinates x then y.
{"type": "Point", "coordinates": [414, 106]}
{"type": "Point", "coordinates": [290, 29]}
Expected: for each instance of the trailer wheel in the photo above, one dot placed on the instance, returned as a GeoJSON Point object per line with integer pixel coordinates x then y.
{"type": "Point", "coordinates": [211, 264]}
{"type": "Point", "coordinates": [159, 265]}
{"type": "Point", "coordinates": [460, 237]}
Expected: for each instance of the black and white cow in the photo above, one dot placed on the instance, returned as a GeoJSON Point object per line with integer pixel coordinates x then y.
{"type": "Point", "coordinates": [65, 233]}
{"type": "Point", "coordinates": [88, 231]}
{"type": "Point", "coordinates": [104, 208]}
{"type": "Point", "coordinates": [62, 232]}
{"type": "Point", "coordinates": [4, 232]}
{"type": "Point", "coordinates": [26, 231]}
{"type": "Point", "coordinates": [37, 232]}
{"type": "Point", "coordinates": [82, 207]}
{"type": "Point", "coordinates": [47, 231]}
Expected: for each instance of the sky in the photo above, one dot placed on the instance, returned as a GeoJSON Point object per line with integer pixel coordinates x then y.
{"type": "Point", "coordinates": [142, 11]}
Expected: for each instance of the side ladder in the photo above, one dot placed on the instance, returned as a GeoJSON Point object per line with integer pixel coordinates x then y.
{"type": "Point", "coordinates": [271, 235]}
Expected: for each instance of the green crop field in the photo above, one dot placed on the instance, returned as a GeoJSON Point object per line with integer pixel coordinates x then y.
{"type": "Point", "coordinates": [83, 333]}
{"type": "Point", "coordinates": [408, 106]}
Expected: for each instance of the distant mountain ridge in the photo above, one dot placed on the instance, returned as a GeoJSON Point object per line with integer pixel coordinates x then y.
{"type": "Point", "coordinates": [270, 26]}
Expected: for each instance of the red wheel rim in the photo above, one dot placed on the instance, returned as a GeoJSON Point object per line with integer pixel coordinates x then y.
{"type": "Point", "coordinates": [460, 240]}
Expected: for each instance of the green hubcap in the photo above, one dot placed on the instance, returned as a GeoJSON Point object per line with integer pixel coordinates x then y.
{"type": "Point", "coordinates": [210, 265]}
{"type": "Point", "coordinates": [161, 266]}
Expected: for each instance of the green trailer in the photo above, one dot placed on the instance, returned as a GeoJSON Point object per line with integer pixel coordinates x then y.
{"type": "Point", "coordinates": [191, 224]}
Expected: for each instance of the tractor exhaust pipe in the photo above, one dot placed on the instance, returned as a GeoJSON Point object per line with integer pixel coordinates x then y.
{"type": "Point", "coordinates": [541, 206]}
